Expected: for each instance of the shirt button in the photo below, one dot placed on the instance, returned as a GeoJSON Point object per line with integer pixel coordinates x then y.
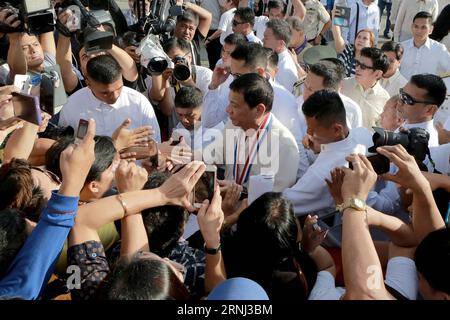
{"type": "Point", "coordinates": [94, 255]}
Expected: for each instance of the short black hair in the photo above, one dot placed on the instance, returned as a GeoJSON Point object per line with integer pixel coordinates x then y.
{"type": "Point", "coordinates": [433, 84]}
{"type": "Point", "coordinates": [392, 46]}
{"type": "Point", "coordinates": [379, 59]}
{"type": "Point", "coordinates": [432, 258]}
{"type": "Point", "coordinates": [175, 42]}
{"type": "Point", "coordinates": [281, 30]}
{"type": "Point", "coordinates": [188, 97]}
{"type": "Point", "coordinates": [326, 107]}
{"type": "Point", "coordinates": [328, 71]}
{"type": "Point", "coordinates": [188, 16]}
{"type": "Point", "coordinates": [104, 69]}
{"type": "Point", "coordinates": [277, 4]}
{"type": "Point", "coordinates": [246, 15]}
{"type": "Point", "coordinates": [252, 54]}
{"type": "Point", "coordinates": [272, 57]}
{"type": "Point", "coordinates": [104, 155]}
{"type": "Point", "coordinates": [339, 66]}
{"type": "Point", "coordinates": [13, 234]}
{"type": "Point", "coordinates": [255, 89]}
{"type": "Point", "coordinates": [164, 224]}
{"type": "Point", "coordinates": [424, 15]}
{"type": "Point", "coordinates": [235, 39]}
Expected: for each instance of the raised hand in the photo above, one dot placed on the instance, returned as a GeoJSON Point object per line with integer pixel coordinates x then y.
{"type": "Point", "coordinates": [358, 182]}
{"type": "Point", "coordinates": [124, 137]}
{"type": "Point", "coordinates": [210, 218]}
{"type": "Point", "coordinates": [130, 177]}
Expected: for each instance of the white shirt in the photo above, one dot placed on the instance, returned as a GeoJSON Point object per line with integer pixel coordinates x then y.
{"type": "Point", "coordinates": [225, 24]}
{"type": "Point", "coordinates": [200, 137]}
{"type": "Point", "coordinates": [287, 71]}
{"type": "Point", "coordinates": [252, 38]}
{"type": "Point", "coordinates": [432, 57]}
{"type": "Point", "coordinates": [370, 101]}
{"type": "Point", "coordinates": [130, 104]}
{"type": "Point", "coordinates": [369, 18]}
{"type": "Point", "coordinates": [441, 158]}
{"type": "Point", "coordinates": [393, 84]}
{"type": "Point", "coordinates": [443, 112]}
{"type": "Point", "coordinates": [282, 160]}
{"type": "Point", "coordinates": [310, 194]}
{"type": "Point", "coordinates": [429, 126]}
{"type": "Point", "coordinates": [260, 26]}
{"type": "Point", "coordinates": [406, 12]}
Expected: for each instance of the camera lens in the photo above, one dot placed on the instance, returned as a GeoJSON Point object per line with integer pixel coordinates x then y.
{"type": "Point", "coordinates": [382, 137]}
{"type": "Point", "coordinates": [181, 72]}
{"type": "Point", "coordinates": [157, 65]}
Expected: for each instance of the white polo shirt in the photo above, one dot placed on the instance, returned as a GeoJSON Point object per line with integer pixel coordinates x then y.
{"type": "Point", "coordinates": [393, 84]}
{"type": "Point", "coordinates": [225, 24]}
{"type": "Point", "coordinates": [287, 71]}
{"type": "Point", "coordinates": [432, 57]}
{"type": "Point", "coordinates": [130, 104]}
{"type": "Point", "coordinates": [260, 26]}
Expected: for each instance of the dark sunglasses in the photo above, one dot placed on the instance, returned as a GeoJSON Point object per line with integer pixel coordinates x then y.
{"type": "Point", "coordinates": [407, 99]}
{"type": "Point", "coordinates": [49, 174]}
{"type": "Point", "coordinates": [362, 65]}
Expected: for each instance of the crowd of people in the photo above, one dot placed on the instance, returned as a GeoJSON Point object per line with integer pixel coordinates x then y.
{"type": "Point", "coordinates": [328, 146]}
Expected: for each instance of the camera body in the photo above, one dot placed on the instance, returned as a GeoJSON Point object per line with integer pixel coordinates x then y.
{"type": "Point", "coordinates": [36, 16]}
{"type": "Point", "coordinates": [414, 140]}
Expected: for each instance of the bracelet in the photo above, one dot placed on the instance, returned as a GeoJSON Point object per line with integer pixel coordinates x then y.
{"type": "Point", "coordinates": [123, 203]}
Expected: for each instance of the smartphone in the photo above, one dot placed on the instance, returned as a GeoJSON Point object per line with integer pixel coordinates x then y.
{"type": "Point", "coordinates": [26, 107]}
{"type": "Point", "coordinates": [379, 163]}
{"type": "Point", "coordinates": [204, 188]}
{"type": "Point", "coordinates": [22, 82]}
{"type": "Point", "coordinates": [82, 130]}
{"type": "Point", "coordinates": [342, 17]}
{"type": "Point", "coordinates": [145, 152]}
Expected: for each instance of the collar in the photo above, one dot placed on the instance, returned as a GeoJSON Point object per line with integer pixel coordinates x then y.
{"type": "Point", "coordinates": [373, 89]}
{"type": "Point", "coordinates": [427, 125]}
{"type": "Point", "coordinates": [101, 103]}
{"type": "Point", "coordinates": [302, 46]}
{"type": "Point", "coordinates": [337, 146]}
{"type": "Point", "coordinates": [427, 44]}
{"type": "Point", "coordinates": [393, 78]}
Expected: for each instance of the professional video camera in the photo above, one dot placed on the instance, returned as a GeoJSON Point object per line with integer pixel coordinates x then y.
{"type": "Point", "coordinates": [86, 26]}
{"type": "Point", "coordinates": [36, 16]}
{"type": "Point", "coordinates": [414, 140]}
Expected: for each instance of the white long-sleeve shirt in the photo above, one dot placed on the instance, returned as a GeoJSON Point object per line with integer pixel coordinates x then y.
{"type": "Point", "coordinates": [369, 18]}
{"type": "Point", "coordinates": [406, 12]}
{"type": "Point", "coordinates": [287, 71]}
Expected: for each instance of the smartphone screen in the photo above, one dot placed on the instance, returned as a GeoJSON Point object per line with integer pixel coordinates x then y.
{"type": "Point", "coordinates": [204, 189]}
{"type": "Point", "coordinates": [26, 107]}
{"type": "Point", "coordinates": [82, 129]}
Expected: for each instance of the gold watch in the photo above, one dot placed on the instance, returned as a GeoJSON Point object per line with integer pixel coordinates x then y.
{"type": "Point", "coordinates": [354, 203]}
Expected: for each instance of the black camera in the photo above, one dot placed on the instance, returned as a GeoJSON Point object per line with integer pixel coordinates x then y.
{"type": "Point", "coordinates": [414, 140]}
{"type": "Point", "coordinates": [181, 70]}
{"type": "Point", "coordinates": [36, 16]}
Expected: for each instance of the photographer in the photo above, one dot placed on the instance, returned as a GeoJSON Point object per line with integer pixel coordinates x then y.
{"type": "Point", "coordinates": [164, 87]}
{"type": "Point", "coordinates": [64, 59]}
{"type": "Point", "coordinates": [193, 26]}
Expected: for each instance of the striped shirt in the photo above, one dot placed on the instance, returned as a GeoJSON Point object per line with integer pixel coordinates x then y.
{"type": "Point", "coordinates": [348, 58]}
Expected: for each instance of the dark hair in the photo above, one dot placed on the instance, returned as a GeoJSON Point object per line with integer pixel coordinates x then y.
{"type": "Point", "coordinates": [392, 46]}
{"type": "Point", "coordinates": [423, 15]}
{"type": "Point", "coordinates": [13, 234]}
{"type": "Point", "coordinates": [188, 16]}
{"type": "Point", "coordinates": [272, 57]}
{"type": "Point", "coordinates": [339, 67]}
{"type": "Point", "coordinates": [326, 107]}
{"type": "Point", "coordinates": [328, 71]}
{"type": "Point", "coordinates": [246, 15]}
{"type": "Point", "coordinates": [188, 97]}
{"type": "Point", "coordinates": [264, 248]}
{"type": "Point", "coordinates": [379, 59]}
{"type": "Point", "coordinates": [432, 258]}
{"type": "Point", "coordinates": [277, 4]}
{"type": "Point", "coordinates": [255, 89]}
{"type": "Point", "coordinates": [433, 84]}
{"type": "Point", "coordinates": [17, 189]}
{"type": "Point", "coordinates": [104, 69]}
{"type": "Point", "coordinates": [164, 224]}
{"type": "Point", "coordinates": [441, 25]}
{"type": "Point", "coordinates": [142, 279]}
{"type": "Point", "coordinates": [235, 39]}
{"type": "Point", "coordinates": [281, 30]}
{"type": "Point", "coordinates": [252, 54]}
{"type": "Point", "coordinates": [176, 43]}
{"type": "Point", "coordinates": [104, 155]}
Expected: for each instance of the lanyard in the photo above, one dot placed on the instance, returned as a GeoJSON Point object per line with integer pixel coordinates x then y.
{"type": "Point", "coordinates": [243, 177]}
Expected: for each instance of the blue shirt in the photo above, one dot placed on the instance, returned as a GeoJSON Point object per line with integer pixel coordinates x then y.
{"type": "Point", "coordinates": [34, 264]}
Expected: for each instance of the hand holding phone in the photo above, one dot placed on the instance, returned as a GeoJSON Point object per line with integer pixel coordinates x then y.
{"type": "Point", "coordinates": [204, 188]}
{"type": "Point", "coordinates": [26, 107]}
{"type": "Point", "coordinates": [143, 152]}
{"type": "Point", "coordinates": [81, 131]}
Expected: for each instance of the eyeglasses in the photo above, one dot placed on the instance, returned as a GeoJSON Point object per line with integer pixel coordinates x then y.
{"type": "Point", "coordinates": [48, 173]}
{"type": "Point", "coordinates": [407, 99]}
{"type": "Point", "coordinates": [362, 65]}
{"type": "Point", "coordinates": [235, 23]}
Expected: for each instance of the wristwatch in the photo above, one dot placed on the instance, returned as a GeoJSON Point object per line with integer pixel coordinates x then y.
{"type": "Point", "coordinates": [212, 250]}
{"type": "Point", "coordinates": [354, 203]}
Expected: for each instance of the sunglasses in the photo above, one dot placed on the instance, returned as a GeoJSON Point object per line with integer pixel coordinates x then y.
{"type": "Point", "coordinates": [407, 99]}
{"type": "Point", "coordinates": [362, 65]}
{"type": "Point", "coordinates": [235, 23]}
